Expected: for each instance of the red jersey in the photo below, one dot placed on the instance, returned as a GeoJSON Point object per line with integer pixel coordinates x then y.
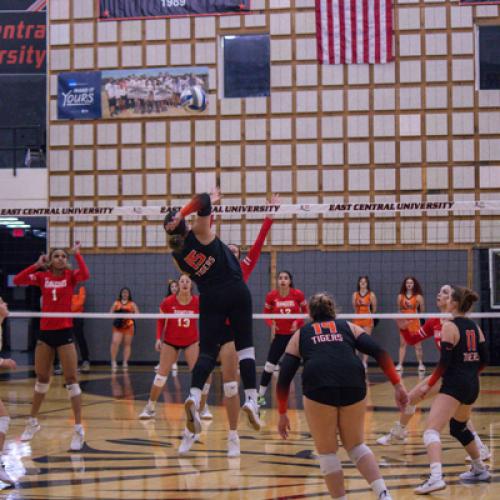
{"type": "Point", "coordinates": [57, 291]}
{"type": "Point", "coordinates": [294, 303]}
{"type": "Point", "coordinates": [179, 332]}
{"type": "Point", "coordinates": [431, 328]}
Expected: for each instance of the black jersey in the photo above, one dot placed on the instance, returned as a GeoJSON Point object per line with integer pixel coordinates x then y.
{"type": "Point", "coordinates": [212, 265]}
{"type": "Point", "coordinates": [464, 367]}
{"type": "Point", "coordinates": [330, 360]}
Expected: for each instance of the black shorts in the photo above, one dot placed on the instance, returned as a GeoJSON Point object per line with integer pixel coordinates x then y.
{"type": "Point", "coordinates": [337, 396]}
{"type": "Point", "coordinates": [179, 347]}
{"type": "Point", "coordinates": [56, 338]}
{"type": "Point", "coordinates": [465, 393]}
{"type": "Point", "coordinates": [227, 335]}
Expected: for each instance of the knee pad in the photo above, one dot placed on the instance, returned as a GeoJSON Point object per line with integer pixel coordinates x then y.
{"type": "Point", "coordinates": [358, 452]}
{"type": "Point", "coordinates": [4, 424]}
{"type": "Point", "coordinates": [160, 380]}
{"type": "Point", "coordinates": [431, 436]}
{"type": "Point", "coordinates": [410, 410]}
{"type": "Point", "coordinates": [269, 367]}
{"type": "Point", "coordinates": [460, 432]}
{"type": "Point", "coordinates": [206, 389]}
{"type": "Point", "coordinates": [73, 390]}
{"type": "Point", "coordinates": [248, 353]}
{"type": "Point", "coordinates": [230, 389]}
{"type": "Point", "coordinates": [329, 464]}
{"type": "Point", "coordinates": [41, 388]}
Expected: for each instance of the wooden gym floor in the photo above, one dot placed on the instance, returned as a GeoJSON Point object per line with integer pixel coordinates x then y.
{"type": "Point", "coordinates": [125, 458]}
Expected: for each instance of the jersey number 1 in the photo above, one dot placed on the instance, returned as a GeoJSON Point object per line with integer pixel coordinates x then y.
{"type": "Point", "coordinates": [470, 336]}
{"type": "Point", "coordinates": [54, 295]}
{"type": "Point", "coordinates": [325, 325]}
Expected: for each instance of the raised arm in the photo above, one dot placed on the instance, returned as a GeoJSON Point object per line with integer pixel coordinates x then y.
{"type": "Point", "coordinates": [29, 275]}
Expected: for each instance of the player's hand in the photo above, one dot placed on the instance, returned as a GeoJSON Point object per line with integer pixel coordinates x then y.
{"type": "Point", "coordinates": [42, 261]}
{"type": "Point", "coordinates": [8, 363]}
{"type": "Point", "coordinates": [401, 396]}
{"type": "Point", "coordinates": [422, 390]}
{"type": "Point", "coordinates": [275, 200]}
{"type": "Point", "coordinates": [273, 328]}
{"type": "Point", "coordinates": [158, 345]}
{"type": "Point", "coordinates": [4, 310]}
{"type": "Point", "coordinates": [76, 247]}
{"type": "Point", "coordinates": [215, 195]}
{"type": "Point", "coordinates": [284, 426]}
{"type": "Point", "coordinates": [294, 327]}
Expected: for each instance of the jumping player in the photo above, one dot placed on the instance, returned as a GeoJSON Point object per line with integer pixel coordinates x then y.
{"type": "Point", "coordinates": [284, 300]}
{"type": "Point", "coordinates": [56, 281]}
{"type": "Point", "coordinates": [4, 415]}
{"type": "Point", "coordinates": [431, 329]}
{"type": "Point", "coordinates": [364, 301]}
{"type": "Point", "coordinates": [411, 301]}
{"type": "Point", "coordinates": [464, 354]}
{"type": "Point", "coordinates": [334, 388]}
{"type": "Point", "coordinates": [223, 295]}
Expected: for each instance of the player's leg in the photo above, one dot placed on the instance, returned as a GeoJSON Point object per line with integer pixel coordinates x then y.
{"type": "Point", "coordinates": [116, 340]}
{"type": "Point", "coordinates": [442, 410]}
{"type": "Point", "coordinates": [398, 432]}
{"type": "Point", "coordinates": [128, 337]}
{"type": "Point", "coordinates": [229, 362]}
{"type": "Point", "coordinates": [322, 421]}
{"type": "Point", "coordinates": [460, 431]}
{"type": "Point", "coordinates": [402, 353]}
{"type": "Point", "coordinates": [276, 350]}
{"type": "Point", "coordinates": [44, 359]}
{"type": "Point", "coordinates": [484, 451]}
{"type": "Point", "coordinates": [352, 433]}
{"type": "Point", "coordinates": [69, 361]}
{"type": "Point", "coordinates": [168, 356]}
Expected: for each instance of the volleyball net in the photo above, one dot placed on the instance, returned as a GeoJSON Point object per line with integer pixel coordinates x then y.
{"type": "Point", "coordinates": [326, 247]}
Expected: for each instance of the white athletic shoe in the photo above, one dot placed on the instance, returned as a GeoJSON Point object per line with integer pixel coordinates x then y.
{"type": "Point", "coordinates": [114, 366]}
{"type": "Point", "coordinates": [233, 447]}
{"type": "Point", "coordinates": [252, 410]}
{"type": "Point", "coordinates": [4, 477]}
{"type": "Point", "coordinates": [399, 367]}
{"type": "Point", "coordinates": [421, 367]}
{"type": "Point", "coordinates": [429, 486]}
{"type": "Point", "coordinates": [385, 495]}
{"type": "Point", "coordinates": [157, 367]}
{"type": "Point", "coordinates": [85, 368]}
{"type": "Point", "coordinates": [475, 476]}
{"type": "Point", "coordinates": [188, 439]}
{"type": "Point", "coordinates": [484, 454]}
{"type": "Point", "coordinates": [206, 414]}
{"type": "Point", "coordinates": [397, 435]}
{"type": "Point", "coordinates": [32, 427]}
{"type": "Point", "coordinates": [78, 440]}
{"type": "Point", "coordinates": [125, 366]}
{"type": "Point", "coordinates": [193, 422]}
{"type": "Point", "coordinates": [148, 413]}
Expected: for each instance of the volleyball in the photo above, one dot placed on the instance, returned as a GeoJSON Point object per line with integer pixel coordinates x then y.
{"type": "Point", "coordinates": [194, 99]}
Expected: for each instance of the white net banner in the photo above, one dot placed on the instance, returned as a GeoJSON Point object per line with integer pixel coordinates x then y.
{"type": "Point", "coordinates": [285, 209]}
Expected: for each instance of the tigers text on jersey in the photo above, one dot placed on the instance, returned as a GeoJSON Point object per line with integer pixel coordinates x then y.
{"type": "Point", "coordinates": [178, 331]}
{"type": "Point", "coordinates": [293, 303]}
{"type": "Point", "coordinates": [57, 291]}
{"type": "Point", "coordinates": [212, 265]}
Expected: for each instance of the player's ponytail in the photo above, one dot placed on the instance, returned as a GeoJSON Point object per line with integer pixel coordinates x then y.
{"type": "Point", "coordinates": [322, 307]}
{"type": "Point", "coordinates": [464, 297]}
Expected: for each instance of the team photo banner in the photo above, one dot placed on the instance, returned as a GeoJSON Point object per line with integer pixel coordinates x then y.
{"type": "Point", "coordinates": [286, 209]}
{"type": "Point", "coordinates": [23, 43]}
{"type": "Point", "coordinates": [139, 9]}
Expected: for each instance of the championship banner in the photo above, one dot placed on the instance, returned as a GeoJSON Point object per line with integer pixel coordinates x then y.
{"type": "Point", "coordinates": [285, 209]}
{"type": "Point", "coordinates": [23, 43]}
{"type": "Point", "coordinates": [137, 9]}
{"type": "Point", "coordinates": [79, 96]}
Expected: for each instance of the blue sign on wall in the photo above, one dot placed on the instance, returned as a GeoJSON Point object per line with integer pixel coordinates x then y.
{"type": "Point", "coordinates": [126, 9]}
{"type": "Point", "coordinates": [79, 96]}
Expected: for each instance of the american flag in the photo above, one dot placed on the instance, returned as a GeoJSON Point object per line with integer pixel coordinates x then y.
{"type": "Point", "coordinates": [354, 31]}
